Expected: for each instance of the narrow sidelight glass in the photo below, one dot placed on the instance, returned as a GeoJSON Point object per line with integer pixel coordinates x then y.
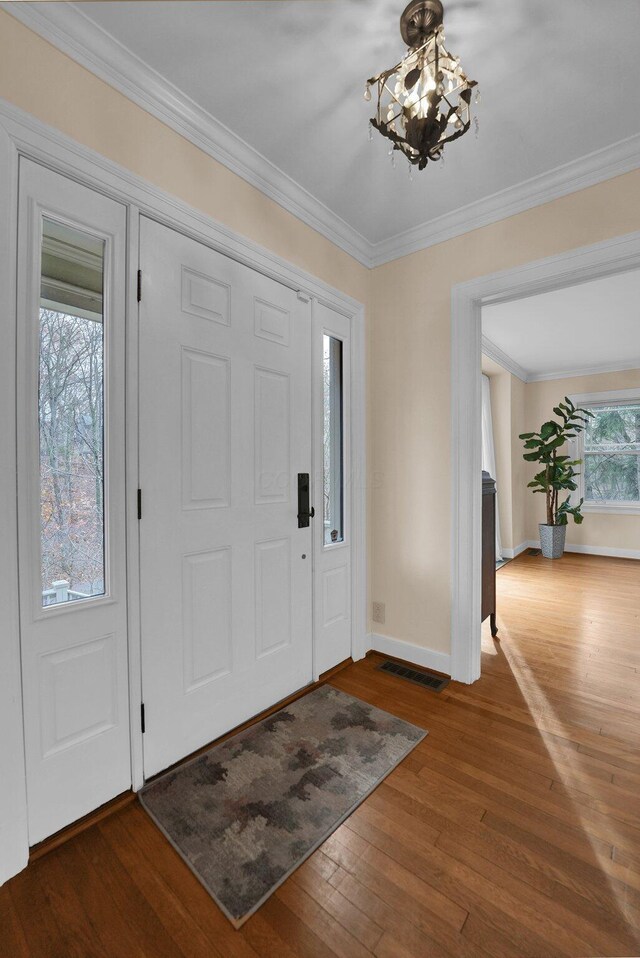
{"type": "Point", "coordinates": [333, 450]}
{"type": "Point", "coordinates": [71, 411]}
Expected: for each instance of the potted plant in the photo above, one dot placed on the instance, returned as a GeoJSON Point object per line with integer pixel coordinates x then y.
{"type": "Point", "coordinates": [558, 473]}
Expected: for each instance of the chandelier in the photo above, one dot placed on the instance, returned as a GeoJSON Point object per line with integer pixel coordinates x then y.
{"type": "Point", "coordinates": [424, 101]}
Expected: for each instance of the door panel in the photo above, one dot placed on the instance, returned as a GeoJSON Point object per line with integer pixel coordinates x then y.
{"type": "Point", "coordinates": [71, 311]}
{"type": "Point", "coordinates": [331, 340]}
{"type": "Point", "coordinates": [225, 426]}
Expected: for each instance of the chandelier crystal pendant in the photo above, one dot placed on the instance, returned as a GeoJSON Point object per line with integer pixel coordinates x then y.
{"type": "Point", "coordinates": [425, 100]}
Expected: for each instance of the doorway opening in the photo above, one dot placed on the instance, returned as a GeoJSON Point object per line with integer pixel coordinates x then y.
{"type": "Point", "coordinates": [573, 269]}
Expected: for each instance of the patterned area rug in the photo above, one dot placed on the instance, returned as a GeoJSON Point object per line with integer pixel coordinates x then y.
{"type": "Point", "coordinates": [246, 813]}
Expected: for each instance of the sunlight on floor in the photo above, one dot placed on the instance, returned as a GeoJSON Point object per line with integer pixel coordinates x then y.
{"type": "Point", "coordinates": [567, 761]}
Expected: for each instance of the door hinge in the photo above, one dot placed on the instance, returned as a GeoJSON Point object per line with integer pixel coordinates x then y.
{"type": "Point", "coordinates": [139, 503]}
{"type": "Point", "coordinates": [139, 285]}
{"type": "Point", "coordinates": [142, 724]}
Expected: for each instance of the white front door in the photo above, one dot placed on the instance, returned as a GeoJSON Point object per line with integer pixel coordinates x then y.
{"type": "Point", "coordinates": [71, 312]}
{"type": "Point", "coordinates": [225, 429]}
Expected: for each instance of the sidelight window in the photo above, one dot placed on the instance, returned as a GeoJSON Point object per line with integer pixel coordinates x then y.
{"type": "Point", "coordinates": [333, 448]}
{"type": "Point", "coordinates": [71, 411]}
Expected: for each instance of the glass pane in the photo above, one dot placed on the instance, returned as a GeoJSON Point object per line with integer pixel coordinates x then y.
{"type": "Point", "coordinates": [71, 415]}
{"type": "Point", "coordinates": [613, 428]}
{"type": "Point", "coordinates": [612, 478]}
{"type": "Point", "coordinates": [333, 512]}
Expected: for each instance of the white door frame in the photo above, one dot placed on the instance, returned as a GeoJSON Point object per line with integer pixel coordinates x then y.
{"type": "Point", "coordinates": [23, 135]}
{"type": "Point", "coordinates": [570, 268]}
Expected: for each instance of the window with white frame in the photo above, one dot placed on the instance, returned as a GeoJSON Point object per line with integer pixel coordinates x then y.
{"type": "Point", "coordinates": [610, 451]}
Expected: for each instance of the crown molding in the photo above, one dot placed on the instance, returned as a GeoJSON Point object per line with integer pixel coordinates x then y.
{"type": "Point", "coordinates": [585, 371]}
{"type": "Point", "coordinates": [72, 32]}
{"type": "Point", "coordinates": [614, 160]}
{"type": "Point", "coordinates": [494, 352]}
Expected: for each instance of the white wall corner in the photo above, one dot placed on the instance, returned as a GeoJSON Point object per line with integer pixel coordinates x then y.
{"type": "Point", "coordinates": [415, 654]}
{"type": "Point", "coordinates": [514, 553]}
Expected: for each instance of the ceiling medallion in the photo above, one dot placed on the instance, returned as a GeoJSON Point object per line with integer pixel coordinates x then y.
{"type": "Point", "coordinates": [425, 100]}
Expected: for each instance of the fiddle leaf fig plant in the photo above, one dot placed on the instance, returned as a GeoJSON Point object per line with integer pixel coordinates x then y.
{"type": "Point", "coordinates": [558, 473]}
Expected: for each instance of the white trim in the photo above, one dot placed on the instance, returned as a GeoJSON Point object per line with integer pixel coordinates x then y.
{"type": "Point", "coordinates": [566, 269]}
{"type": "Point", "coordinates": [132, 465]}
{"type": "Point", "coordinates": [612, 508]}
{"type": "Point", "coordinates": [415, 654]}
{"type": "Point", "coordinates": [14, 841]}
{"type": "Point", "coordinates": [71, 31]}
{"type": "Point", "coordinates": [606, 396]}
{"type": "Point", "coordinates": [359, 587]}
{"type": "Point", "coordinates": [496, 354]}
{"type": "Point", "coordinates": [614, 160]}
{"type": "Point", "coordinates": [23, 134]}
{"type": "Point", "coordinates": [514, 553]}
{"type": "Point", "coordinates": [594, 550]}
{"type": "Point", "coordinates": [585, 371]}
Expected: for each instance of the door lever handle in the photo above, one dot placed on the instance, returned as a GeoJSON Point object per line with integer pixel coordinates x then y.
{"type": "Point", "coordinates": [304, 511]}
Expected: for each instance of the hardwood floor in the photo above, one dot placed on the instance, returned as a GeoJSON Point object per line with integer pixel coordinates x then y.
{"type": "Point", "coordinates": [512, 830]}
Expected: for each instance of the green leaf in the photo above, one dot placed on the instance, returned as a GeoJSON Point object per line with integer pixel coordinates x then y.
{"type": "Point", "coordinates": [526, 435]}
{"type": "Point", "coordinates": [555, 443]}
{"type": "Point", "coordinates": [548, 429]}
{"type": "Point", "coordinates": [531, 456]}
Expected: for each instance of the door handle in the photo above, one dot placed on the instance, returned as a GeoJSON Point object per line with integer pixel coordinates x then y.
{"type": "Point", "coordinates": [304, 512]}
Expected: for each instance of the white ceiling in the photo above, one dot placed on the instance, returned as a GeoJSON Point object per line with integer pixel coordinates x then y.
{"type": "Point", "coordinates": [559, 82]}
{"type": "Point", "coordinates": [592, 327]}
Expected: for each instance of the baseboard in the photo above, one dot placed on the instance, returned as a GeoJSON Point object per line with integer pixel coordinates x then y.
{"type": "Point", "coordinates": [415, 654]}
{"type": "Point", "coordinates": [594, 550]}
{"type": "Point", "coordinates": [513, 553]}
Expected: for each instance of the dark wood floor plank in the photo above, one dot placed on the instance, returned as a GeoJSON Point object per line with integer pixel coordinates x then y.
{"type": "Point", "coordinates": [13, 943]}
{"type": "Point", "coordinates": [58, 878]}
{"type": "Point", "coordinates": [41, 930]}
{"type": "Point", "coordinates": [141, 919]}
{"type": "Point", "coordinates": [166, 904]}
{"type": "Point", "coordinates": [159, 854]}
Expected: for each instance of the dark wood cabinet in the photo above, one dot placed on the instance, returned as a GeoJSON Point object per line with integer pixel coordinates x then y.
{"type": "Point", "coordinates": [489, 550]}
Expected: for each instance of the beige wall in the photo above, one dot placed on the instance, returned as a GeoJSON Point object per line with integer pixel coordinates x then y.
{"type": "Point", "coordinates": [598, 529]}
{"type": "Point", "coordinates": [411, 393]}
{"type": "Point", "coordinates": [409, 329]}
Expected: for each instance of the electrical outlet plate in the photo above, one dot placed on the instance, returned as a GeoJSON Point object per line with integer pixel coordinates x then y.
{"type": "Point", "coordinates": [378, 612]}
